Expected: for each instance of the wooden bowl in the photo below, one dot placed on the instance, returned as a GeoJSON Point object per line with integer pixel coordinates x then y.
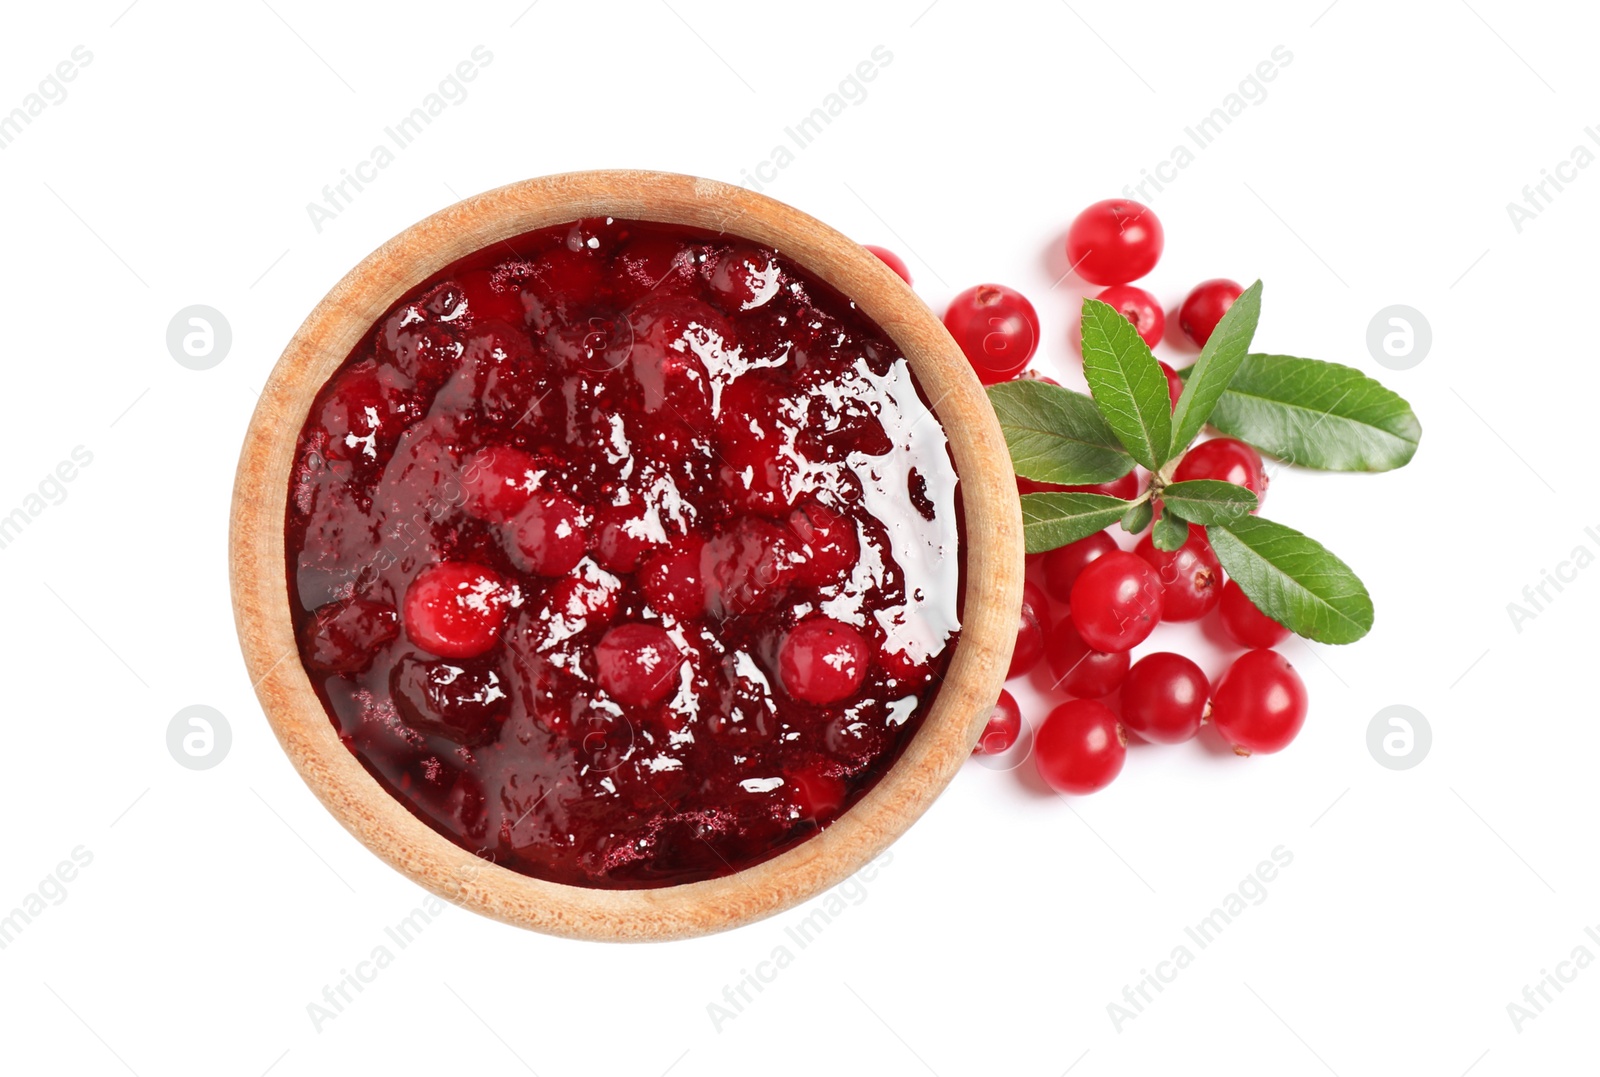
{"type": "Point", "coordinates": [993, 569]}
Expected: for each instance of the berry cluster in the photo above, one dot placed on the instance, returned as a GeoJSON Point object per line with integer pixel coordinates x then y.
{"type": "Point", "coordinates": [1109, 600]}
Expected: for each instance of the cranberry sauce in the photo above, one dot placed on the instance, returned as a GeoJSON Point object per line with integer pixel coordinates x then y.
{"type": "Point", "coordinates": [624, 555]}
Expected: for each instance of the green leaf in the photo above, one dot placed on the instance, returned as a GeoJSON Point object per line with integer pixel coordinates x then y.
{"type": "Point", "coordinates": [1128, 386]}
{"type": "Point", "coordinates": [1293, 579]}
{"type": "Point", "coordinates": [1208, 501]}
{"type": "Point", "coordinates": [1057, 435]}
{"type": "Point", "coordinates": [1317, 414]}
{"type": "Point", "coordinates": [1137, 518]}
{"type": "Point", "coordinates": [1219, 360]}
{"type": "Point", "coordinates": [1055, 519]}
{"type": "Point", "coordinates": [1170, 531]}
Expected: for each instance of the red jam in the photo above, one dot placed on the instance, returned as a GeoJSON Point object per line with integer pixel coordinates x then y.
{"type": "Point", "coordinates": [624, 555]}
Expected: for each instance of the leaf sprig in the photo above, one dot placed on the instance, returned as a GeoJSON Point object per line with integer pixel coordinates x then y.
{"type": "Point", "coordinates": [1303, 411]}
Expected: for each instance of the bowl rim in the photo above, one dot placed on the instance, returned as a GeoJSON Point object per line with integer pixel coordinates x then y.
{"type": "Point", "coordinates": [992, 583]}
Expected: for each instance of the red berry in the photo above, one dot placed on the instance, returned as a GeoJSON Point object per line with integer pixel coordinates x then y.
{"type": "Point", "coordinates": [997, 329]}
{"type": "Point", "coordinates": [671, 580]}
{"type": "Point", "coordinates": [816, 795]}
{"type": "Point", "coordinates": [466, 705]}
{"type": "Point", "coordinates": [1245, 623]}
{"type": "Point", "coordinates": [1080, 747]}
{"type": "Point", "coordinates": [748, 567]}
{"type": "Point", "coordinates": [1062, 565]}
{"type": "Point", "coordinates": [498, 481]}
{"type": "Point", "coordinates": [1174, 383]}
{"type": "Point", "coordinates": [1191, 576]}
{"type": "Point", "coordinates": [1204, 308]}
{"type": "Point", "coordinates": [755, 472]}
{"type": "Point", "coordinates": [1033, 625]}
{"type": "Point", "coordinates": [1164, 698]}
{"type": "Point", "coordinates": [576, 603]}
{"type": "Point", "coordinates": [1139, 307]}
{"type": "Point", "coordinates": [1260, 704]}
{"type": "Point", "coordinates": [746, 277]}
{"type": "Point", "coordinates": [1228, 460]}
{"type": "Point", "coordinates": [1005, 724]}
{"type": "Point", "coordinates": [892, 260]}
{"type": "Point", "coordinates": [828, 541]}
{"type": "Point", "coordinates": [342, 637]}
{"type": "Point", "coordinates": [1080, 670]}
{"type": "Point", "coordinates": [547, 535]}
{"type": "Point", "coordinates": [822, 660]}
{"type": "Point", "coordinates": [637, 664]}
{"type": "Point", "coordinates": [1114, 242]}
{"type": "Point", "coordinates": [622, 536]}
{"type": "Point", "coordinates": [455, 609]}
{"type": "Point", "coordinates": [1116, 602]}
{"type": "Point", "coordinates": [1126, 487]}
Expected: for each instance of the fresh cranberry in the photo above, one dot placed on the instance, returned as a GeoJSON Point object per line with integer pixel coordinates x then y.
{"type": "Point", "coordinates": [892, 260]}
{"type": "Point", "coordinates": [1228, 460]}
{"type": "Point", "coordinates": [1063, 564]}
{"type": "Point", "coordinates": [342, 637]}
{"type": "Point", "coordinates": [1204, 307]}
{"type": "Point", "coordinates": [748, 567]}
{"type": "Point", "coordinates": [746, 277]}
{"type": "Point", "coordinates": [1080, 747]}
{"type": "Point", "coordinates": [1033, 625]}
{"type": "Point", "coordinates": [822, 660]}
{"type": "Point", "coordinates": [1081, 670]}
{"type": "Point", "coordinates": [1245, 623]}
{"type": "Point", "coordinates": [547, 536]}
{"type": "Point", "coordinates": [456, 609]}
{"type": "Point", "coordinates": [637, 663]}
{"type": "Point", "coordinates": [828, 543]}
{"type": "Point", "coordinates": [1116, 602]}
{"type": "Point", "coordinates": [1191, 576]}
{"type": "Point", "coordinates": [671, 581]}
{"type": "Point", "coordinates": [1174, 383]}
{"type": "Point", "coordinates": [1126, 487]}
{"type": "Point", "coordinates": [1139, 307]}
{"type": "Point", "coordinates": [996, 328]}
{"type": "Point", "coordinates": [1260, 703]}
{"type": "Point", "coordinates": [1114, 242]}
{"type": "Point", "coordinates": [498, 481]}
{"type": "Point", "coordinates": [464, 703]}
{"type": "Point", "coordinates": [1164, 698]}
{"type": "Point", "coordinates": [1003, 728]}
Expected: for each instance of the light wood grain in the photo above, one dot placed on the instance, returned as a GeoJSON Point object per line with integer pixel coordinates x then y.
{"type": "Point", "coordinates": [993, 561]}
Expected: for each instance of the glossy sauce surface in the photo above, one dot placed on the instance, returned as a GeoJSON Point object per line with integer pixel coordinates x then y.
{"type": "Point", "coordinates": [624, 555]}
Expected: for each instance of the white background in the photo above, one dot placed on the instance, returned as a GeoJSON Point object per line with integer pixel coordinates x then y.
{"type": "Point", "coordinates": [1376, 171]}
